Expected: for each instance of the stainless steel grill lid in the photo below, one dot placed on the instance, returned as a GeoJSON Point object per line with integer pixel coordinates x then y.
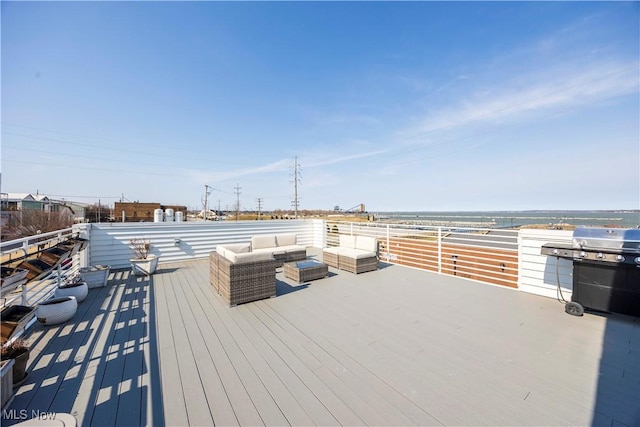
{"type": "Point", "coordinates": [607, 239]}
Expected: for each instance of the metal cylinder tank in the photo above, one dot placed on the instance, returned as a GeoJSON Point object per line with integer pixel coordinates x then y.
{"type": "Point", "coordinates": [179, 216]}
{"type": "Point", "coordinates": [168, 215]}
{"type": "Point", "coordinates": [158, 215]}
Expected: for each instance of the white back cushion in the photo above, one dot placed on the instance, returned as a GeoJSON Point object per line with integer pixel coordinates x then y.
{"type": "Point", "coordinates": [261, 242]}
{"type": "Point", "coordinates": [347, 241]}
{"type": "Point", "coordinates": [366, 243]}
{"type": "Point", "coordinates": [287, 239]}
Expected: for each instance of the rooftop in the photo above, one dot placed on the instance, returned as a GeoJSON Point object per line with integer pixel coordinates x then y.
{"type": "Point", "coordinates": [398, 346]}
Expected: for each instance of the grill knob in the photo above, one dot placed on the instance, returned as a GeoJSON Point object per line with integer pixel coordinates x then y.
{"type": "Point", "coordinates": [555, 252]}
{"type": "Point", "coordinates": [620, 258]}
{"type": "Point", "coordinates": [583, 254]}
{"type": "Point", "coordinates": [637, 260]}
{"type": "Point", "coordinates": [600, 255]}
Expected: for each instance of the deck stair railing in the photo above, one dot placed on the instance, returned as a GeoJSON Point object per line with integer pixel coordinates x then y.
{"type": "Point", "coordinates": [15, 251]}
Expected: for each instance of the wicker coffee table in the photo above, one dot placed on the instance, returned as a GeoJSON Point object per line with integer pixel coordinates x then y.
{"type": "Point", "coordinates": [303, 271]}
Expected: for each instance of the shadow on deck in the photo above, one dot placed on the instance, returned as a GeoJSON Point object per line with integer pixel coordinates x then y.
{"type": "Point", "coordinates": [102, 365]}
{"type": "Point", "coordinates": [398, 346]}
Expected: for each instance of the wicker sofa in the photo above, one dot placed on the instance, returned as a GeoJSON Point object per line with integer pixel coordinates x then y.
{"type": "Point", "coordinates": [356, 254]}
{"type": "Point", "coordinates": [245, 272]}
{"type": "Point", "coordinates": [240, 276]}
{"type": "Point", "coordinates": [284, 247]}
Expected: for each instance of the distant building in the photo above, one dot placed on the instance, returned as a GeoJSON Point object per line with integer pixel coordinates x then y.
{"type": "Point", "coordinates": [12, 205]}
{"type": "Point", "coordinates": [142, 212]}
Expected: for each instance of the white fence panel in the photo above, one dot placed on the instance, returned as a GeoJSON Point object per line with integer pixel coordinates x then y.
{"type": "Point", "coordinates": [319, 226]}
{"type": "Point", "coordinates": [177, 241]}
{"type": "Point", "coordinates": [540, 274]}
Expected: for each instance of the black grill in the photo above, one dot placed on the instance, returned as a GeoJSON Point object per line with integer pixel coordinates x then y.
{"type": "Point", "coordinates": [606, 268]}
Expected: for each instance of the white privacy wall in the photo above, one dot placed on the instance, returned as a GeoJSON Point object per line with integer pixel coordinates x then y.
{"type": "Point", "coordinates": [177, 241]}
{"type": "Point", "coordinates": [539, 274]}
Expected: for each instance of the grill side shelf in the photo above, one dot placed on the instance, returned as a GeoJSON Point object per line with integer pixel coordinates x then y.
{"type": "Point", "coordinates": [559, 250]}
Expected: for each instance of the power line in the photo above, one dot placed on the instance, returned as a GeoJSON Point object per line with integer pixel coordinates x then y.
{"type": "Point", "coordinates": [146, 153]}
{"type": "Point", "coordinates": [75, 166]}
{"type": "Point", "coordinates": [82, 197]}
{"type": "Point", "coordinates": [118, 150]}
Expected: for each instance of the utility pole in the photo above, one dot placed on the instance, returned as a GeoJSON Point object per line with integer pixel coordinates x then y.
{"type": "Point", "coordinates": [237, 191]}
{"type": "Point", "coordinates": [259, 202]}
{"type": "Point", "coordinates": [206, 201]}
{"type": "Point", "coordinates": [296, 179]}
{"type": "Point", "coordinates": [207, 191]}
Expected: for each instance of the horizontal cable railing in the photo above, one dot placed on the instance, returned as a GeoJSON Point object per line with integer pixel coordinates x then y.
{"type": "Point", "coordinates": [18, 250]}
{"type": "Point", "coordinates": [482, 254]}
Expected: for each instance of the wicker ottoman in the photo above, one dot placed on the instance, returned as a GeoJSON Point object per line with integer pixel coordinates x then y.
{"type": "Point", "coordinates": [303, 271]}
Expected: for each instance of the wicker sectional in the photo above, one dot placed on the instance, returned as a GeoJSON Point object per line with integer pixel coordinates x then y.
{"type": "Point", "coordinates": [284, 247]}
{"type": "Point", "coordinates": [356, 254]}
{"type": "Point", "coordinates": [242, 282]}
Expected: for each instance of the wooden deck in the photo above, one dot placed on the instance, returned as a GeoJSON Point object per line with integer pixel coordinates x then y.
{"type": "Point", "coordinates": [397, 346]}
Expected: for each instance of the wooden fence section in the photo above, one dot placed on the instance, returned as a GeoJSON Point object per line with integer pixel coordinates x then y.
{"type": "Point", "coordinates": [491, 265]}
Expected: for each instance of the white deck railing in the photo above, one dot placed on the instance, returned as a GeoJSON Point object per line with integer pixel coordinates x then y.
{"type": "Point", "coordinates": [37, 290]}
{"type": "Point", "coordinates": [502, 257]}
{"type": "Point", "coordinates": [486, 255]}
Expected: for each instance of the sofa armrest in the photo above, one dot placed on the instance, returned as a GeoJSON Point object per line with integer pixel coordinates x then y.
{"type": "Point", "coordinates": [243, 258]}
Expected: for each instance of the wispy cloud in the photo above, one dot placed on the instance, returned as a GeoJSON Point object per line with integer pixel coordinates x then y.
{"type": "Point", "coordinates": [283, 165]}
{"type": "Point", "coordinates": [324, 161]}
{"type": "Point", "coordinates": [212, 177]}
{"type": "Point", "coordinates": [562, 88]}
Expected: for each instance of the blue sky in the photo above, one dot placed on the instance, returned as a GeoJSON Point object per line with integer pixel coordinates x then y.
{"type": "Point", "coordinates": [400, 106]}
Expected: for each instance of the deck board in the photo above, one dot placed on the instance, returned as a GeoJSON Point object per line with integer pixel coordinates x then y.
{"type": "Point", "coordinates": [224, 349]}
{"type": "Point", "coordinates": [278, 392]}
{"type": "Point", "coordinates": [191, 381]}
{"type": "Point", "coordinates": [398, 346]}
{"type": "Point", "coordinates": [175, 409]}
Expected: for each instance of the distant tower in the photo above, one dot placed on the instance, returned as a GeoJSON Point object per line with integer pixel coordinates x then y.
{"type": "Point", "coordinates": [259, 202]}
{"type": "Point", "coordinates": [296, 181]}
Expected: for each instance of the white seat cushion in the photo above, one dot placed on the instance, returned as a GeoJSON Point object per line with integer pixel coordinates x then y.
{"type": "Point", "coordinates": [356, 253]}
{"type": "Point", "coordinates": [264, 251]}
{"type": "Point", "coordinates": [290, 248]}
{"type": "Point", "coordinates": [333, 250]}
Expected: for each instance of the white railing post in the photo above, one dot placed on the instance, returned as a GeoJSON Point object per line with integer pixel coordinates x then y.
{"type": "Point", "coordinates": [24, 293]}
{"type": "Point", "coordinates": [439, 250]}
{"type": "Point", "coordinates": [388, 244]}
{"type": "Point", "coordinates": [351, 229]}
{"type": "Point", "coordinates": [25, 248]}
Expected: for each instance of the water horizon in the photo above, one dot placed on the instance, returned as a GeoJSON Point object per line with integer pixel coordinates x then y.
{"type": "Point", "coordinates": [623, 218]}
